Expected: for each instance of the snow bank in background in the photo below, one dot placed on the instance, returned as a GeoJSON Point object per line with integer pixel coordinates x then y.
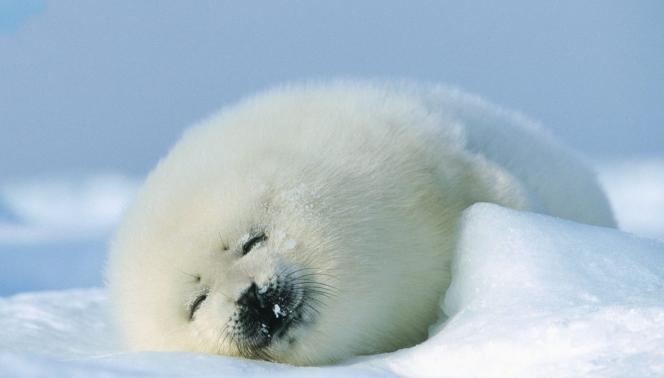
{"type": "Point", "coordinates": [53, 231]}
{"type": "Point", "coordinates": [636, 191]}
{"type": "Point", "coordinates": [531, 296]}
{"type": "Point", "coordinates": [60, 209]}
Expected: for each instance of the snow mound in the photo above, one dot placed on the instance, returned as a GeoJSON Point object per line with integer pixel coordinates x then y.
{"type": "Point", "coordinates": [539, 296]}
{"type": "Point", "coordinates": [531, 296]}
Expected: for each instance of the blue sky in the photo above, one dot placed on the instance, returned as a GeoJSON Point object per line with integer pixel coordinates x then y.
{"type": "Point", "coordinates": [89, 86]}
{"type": "Point", "coordinates": [14, 13]}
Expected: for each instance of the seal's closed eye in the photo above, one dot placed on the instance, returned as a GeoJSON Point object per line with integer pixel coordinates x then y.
{"type": "Point", "coordinates": [251, 243]}
{"type": "Point", "coordinates": [196, 304]}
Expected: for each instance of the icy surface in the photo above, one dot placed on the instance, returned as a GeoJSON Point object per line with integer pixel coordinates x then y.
{"type": "Point", "coordinates": [531, 296]}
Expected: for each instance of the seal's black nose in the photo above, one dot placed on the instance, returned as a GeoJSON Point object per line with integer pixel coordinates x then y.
{"type": "Point", "coordinates": [260, 312]}
{"type": "Point", "coordinates": [250, 297]}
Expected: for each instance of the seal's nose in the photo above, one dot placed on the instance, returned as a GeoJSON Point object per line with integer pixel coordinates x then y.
{"type": "Point", "coordinates": [251, 298]}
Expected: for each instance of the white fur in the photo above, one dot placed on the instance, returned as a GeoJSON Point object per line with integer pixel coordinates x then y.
{"type": "Point", "coordinates": [359, 183]}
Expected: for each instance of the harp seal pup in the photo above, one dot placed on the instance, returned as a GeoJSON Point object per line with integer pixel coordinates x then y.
{"type": "Point", "coordinates": [316, 221]}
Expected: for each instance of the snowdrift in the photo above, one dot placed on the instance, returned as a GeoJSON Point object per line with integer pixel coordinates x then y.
{"type": "Point", "coordinates": [531, 296]}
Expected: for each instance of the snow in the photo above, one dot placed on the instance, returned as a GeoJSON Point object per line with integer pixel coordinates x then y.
{"type": "Point", "coordinates": [278, 311]}
{"type": "Point", "coordinates": [67, 334]}
{"type": "Point", "coordinates": [531, 295]}
{"type": "Point", "coordinates": [534, 294]}
{"type": "Point", "coordinates": [290, 244]}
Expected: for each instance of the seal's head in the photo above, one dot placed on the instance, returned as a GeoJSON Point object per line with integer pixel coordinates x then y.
{"type": "Point", "coordinates": [304, 226]}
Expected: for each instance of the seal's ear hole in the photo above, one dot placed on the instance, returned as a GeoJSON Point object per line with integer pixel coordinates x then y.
{"type": "Point", "coordinates": [253, 242]}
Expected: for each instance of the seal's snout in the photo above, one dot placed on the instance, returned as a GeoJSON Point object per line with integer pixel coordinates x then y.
{"type": "Point", "coordinates": [263, 312]}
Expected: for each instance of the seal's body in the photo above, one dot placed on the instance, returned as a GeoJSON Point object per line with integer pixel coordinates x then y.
{"type": "Point", "coordinates": [315, 222]}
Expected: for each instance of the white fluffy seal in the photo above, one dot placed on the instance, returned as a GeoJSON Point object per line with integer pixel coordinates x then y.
{"type": "Point", "coordinates": [315, 222]}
